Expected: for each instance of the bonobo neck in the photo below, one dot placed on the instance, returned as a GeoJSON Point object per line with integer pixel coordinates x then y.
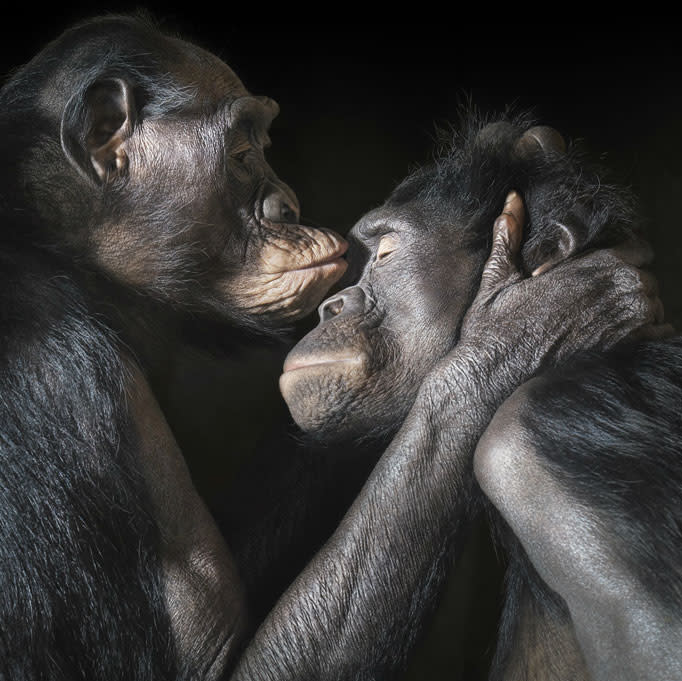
{"type": "Point", "coordinates": [145, 328]}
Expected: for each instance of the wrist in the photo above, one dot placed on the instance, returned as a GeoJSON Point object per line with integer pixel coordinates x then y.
{"type": "Point", "coordinates": [473, 380]}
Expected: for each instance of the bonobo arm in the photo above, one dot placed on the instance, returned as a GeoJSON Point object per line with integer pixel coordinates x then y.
{"type": "Point", "coordinates": [584, 465]}
{"type": "Point", "coordinates": [354, 611]}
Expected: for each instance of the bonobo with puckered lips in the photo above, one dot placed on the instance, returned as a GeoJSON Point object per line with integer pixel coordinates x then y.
{"type": "Point", "coordinates": [136, 199]}
{"type": "Point", "coordinates": [202, 223]}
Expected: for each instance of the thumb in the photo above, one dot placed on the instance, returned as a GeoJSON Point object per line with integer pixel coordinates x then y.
{"type": "Point", "coordinates": [507, 232]}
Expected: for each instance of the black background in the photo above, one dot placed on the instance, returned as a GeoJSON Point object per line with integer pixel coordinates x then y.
{"type": "Point", "coordinates": [359, 102]}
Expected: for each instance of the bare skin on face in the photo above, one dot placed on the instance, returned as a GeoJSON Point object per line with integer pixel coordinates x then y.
{"type": "Point", "coordinates": [294, 267]}
{"type": "Point", "coordinates": [341, 378]}
{"type": "Point", "coordinates": [229, 237]}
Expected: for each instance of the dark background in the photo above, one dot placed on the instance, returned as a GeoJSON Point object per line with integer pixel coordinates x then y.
{"type": "Point", "coordinates": [360, 102]}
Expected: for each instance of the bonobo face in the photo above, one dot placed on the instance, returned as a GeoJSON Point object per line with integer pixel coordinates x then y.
{"type": "Point", "coordinates": [358, 371]}
{"type": "Point", "coordinates": [418, 262]}
{"type": "Point", "coordinates": [227, 219]}
{"type": "Point", "coordinates": [169, 190]}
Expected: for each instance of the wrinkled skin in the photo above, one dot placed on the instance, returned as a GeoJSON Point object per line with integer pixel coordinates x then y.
{"type": "Point", "coordinates": [202, 223]}
{"type": "Point", "coordinates": [594, 616]}
{"type": "Point", "coordinates": [415, 263]}
{"type": "Point", "coordinates": [359, 370]}
{"type": "Point", "coordinates": [122, 231]}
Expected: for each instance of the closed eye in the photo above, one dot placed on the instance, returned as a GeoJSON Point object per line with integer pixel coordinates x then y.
{"type": "Point", "coordinates": [387, 245]}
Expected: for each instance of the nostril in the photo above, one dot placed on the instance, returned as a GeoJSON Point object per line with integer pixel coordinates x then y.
{"type": "Point", "coordinates": [277, 208]}
{"type": "Point", "coordinates": [350, 301]}
{"type": "Point", "coordinates": [331, 308]}
{"type": "Point", "coordinates": [288, 214]}
{"type": "Point", "coordinates": [335, 306]}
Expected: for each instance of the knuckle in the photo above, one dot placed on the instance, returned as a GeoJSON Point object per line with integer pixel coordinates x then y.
{"type": "Point", "coordinates": [503, 222]}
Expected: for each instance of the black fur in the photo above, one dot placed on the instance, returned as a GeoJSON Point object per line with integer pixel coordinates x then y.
{"type": "Point", "coordinates": [78, 565]}
{"type": "Point", "coordinates": [81, 592]}
{"type": "Point", "coordinates": [479, 165]}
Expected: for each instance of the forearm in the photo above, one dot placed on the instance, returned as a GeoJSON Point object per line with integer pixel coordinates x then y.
{"type": "Point", "coordinates": [357, 606]}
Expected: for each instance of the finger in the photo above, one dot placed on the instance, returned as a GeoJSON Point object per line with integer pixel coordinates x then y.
{"type": "Point", "coordinates": [507, 233]}
{"type": "Point", "coordinates": [545, 267]}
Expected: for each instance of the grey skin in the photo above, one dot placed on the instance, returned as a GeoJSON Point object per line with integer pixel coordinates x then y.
{"type": "Point", "coordinates": [148, 181]}
{"type": "Point", "coordinates": [622, 631]}
{"type": "Point", "coordinates": [353, 611]}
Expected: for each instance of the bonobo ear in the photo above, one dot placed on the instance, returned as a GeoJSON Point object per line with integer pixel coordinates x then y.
{"type": "Point", "coordinates": [567, 239]}
{"type": "Point", "coordinates": [95, 126]}
{"type": "Point", "coordinates": [560, 239]}
{"type": "Point", "coordinates": [540, 139]}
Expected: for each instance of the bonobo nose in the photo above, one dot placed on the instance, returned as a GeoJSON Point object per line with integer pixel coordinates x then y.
{"type": "Point", "coordinates": [349, 301]}
{"type": "Point", "coordinates": [281, 205]}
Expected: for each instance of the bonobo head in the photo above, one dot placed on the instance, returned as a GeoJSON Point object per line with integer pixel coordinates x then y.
{"type": "Point", "coordinates": [142, 157]}
{"type": "Point", "coordinates": [416, 264]}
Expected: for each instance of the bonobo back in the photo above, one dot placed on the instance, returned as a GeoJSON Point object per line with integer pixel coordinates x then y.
{"type": "Point", "coordinates": [79, 569]}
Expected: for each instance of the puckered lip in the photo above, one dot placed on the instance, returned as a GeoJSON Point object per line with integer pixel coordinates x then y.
{"type": "Point", "coordinates": [332, 257]}
{"type": "Point", "coordinates": [307, 361]}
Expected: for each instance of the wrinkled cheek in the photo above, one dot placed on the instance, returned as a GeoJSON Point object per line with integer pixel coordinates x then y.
{"type": "Point", "coordinates": [146, 261]}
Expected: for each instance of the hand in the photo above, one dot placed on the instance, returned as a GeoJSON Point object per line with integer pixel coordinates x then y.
{"type": "Point", "coordinates": [517, 325]}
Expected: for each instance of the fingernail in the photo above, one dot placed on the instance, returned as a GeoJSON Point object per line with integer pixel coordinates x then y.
{"type": "Point", "coordinates": [510, 197]}
{"type": "Point", "coordinates": [540, 270]}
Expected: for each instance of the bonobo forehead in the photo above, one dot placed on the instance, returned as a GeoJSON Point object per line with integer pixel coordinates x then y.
{"type": "Point", "coordinates": [212, 79]}
{"type": "Point", "coordinates": [416, 221]}
{"type": "Point", "coordinates": [183, 75]}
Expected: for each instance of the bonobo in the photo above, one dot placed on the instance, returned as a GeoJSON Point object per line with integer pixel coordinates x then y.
{"type": "Point", "coordinates": [584, 464]}
{"type": "Point", "coordinates": [135, 193]}
{"type": "Point", "coordinates": [425, 346]}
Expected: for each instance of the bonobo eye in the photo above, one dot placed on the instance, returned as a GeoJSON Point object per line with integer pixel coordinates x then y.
{"type": "Point", "coordinates": [387, 245]}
